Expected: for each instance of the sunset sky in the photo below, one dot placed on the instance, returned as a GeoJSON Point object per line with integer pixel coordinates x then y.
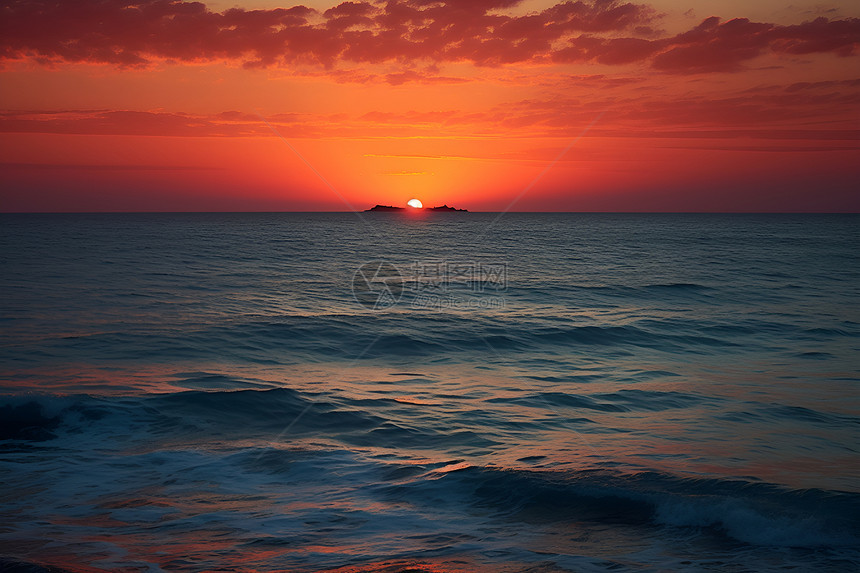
{"type": "Point", "coordinates": [120, 105]}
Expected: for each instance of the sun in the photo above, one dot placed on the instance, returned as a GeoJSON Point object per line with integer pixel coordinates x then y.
{"type": "Point", "coordinates": [415, 203]}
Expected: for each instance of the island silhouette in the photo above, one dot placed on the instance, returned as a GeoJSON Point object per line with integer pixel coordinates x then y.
{"type": "Point", "coordinates": [392, 208]}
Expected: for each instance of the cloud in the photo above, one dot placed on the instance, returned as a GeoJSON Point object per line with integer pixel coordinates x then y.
{"type": "Point", "coordinates": [819, 35]}
{"type": "Point", "coordinates": [724, 46]}
{"type": "Point", "coordinates": [808, 110]}
{"type": "Point", "coordinates": [804, 110]}
{"type": "Point", "coordinates": [135, 32]}
{"type": "Point", "coordinates": [610, 51]}
{"type": "Point", "coordinates": [7, 166]}
{"type": "Point", "coordinates": [398, 78]}
{"type": "Point", "coordinates": [714, 46]}
{"type": "Point", "coordinates": [123, 122]}
{"type": "Point", "coordinates": [130, 33]}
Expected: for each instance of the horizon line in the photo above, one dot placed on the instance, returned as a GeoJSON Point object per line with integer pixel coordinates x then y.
{"type": "Point", "coordinates": [464, 213]}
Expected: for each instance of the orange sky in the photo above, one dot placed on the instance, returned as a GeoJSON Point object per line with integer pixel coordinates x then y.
{"type": "Point", "coordinates": [666, 106]}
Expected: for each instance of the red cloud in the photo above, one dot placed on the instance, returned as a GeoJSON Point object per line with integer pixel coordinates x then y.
{"type": "Point", "coordinates": [820, 35]}
{"type": "Point", "coordinates": [712, 46]}
{"type": "Point", "coordinates": [129, 123]}
{"type": "Point", "coordinates": [715, 46]}
{"type": "Point", "coordinates": [134, 33]}
{"type": "Point", "coordinates": [129, 32]}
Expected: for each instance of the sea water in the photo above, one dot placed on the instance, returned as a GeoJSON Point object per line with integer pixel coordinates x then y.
{"type": "Point", "coordinates": [430, 392]}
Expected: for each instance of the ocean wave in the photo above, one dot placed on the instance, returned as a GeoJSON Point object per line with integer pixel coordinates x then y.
{"type": "Point", "coordinates": [26, 420]}
{"type": "Point", "coordinates": [753, 513]}
{"type": "Point", "coordinates": [419, 334]}
{"type": "Point", "coordinates": [560, 399]}
{"type": "Point", "coordinates": [753, 412]}
{"type": "Point", "coordinates": [625, 290]}
{"type": "Point", "coordinates": [191, 415]}
{"type": "Point", "coordinates": [226, 439]}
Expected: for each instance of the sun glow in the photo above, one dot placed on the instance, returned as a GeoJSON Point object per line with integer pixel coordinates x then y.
{"type": "Point", "coordinates": [415, 204]}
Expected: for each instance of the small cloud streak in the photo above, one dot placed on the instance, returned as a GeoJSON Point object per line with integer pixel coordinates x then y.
{"type": "Point", "coordinates": [800, 110]}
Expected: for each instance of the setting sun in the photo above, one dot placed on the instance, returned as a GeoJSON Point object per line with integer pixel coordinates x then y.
{"type": "Point", "coordinates": [415, 203]}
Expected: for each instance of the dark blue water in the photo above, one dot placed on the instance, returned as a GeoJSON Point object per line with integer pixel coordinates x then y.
{"type": "Point", "coordinates": [446, 392]}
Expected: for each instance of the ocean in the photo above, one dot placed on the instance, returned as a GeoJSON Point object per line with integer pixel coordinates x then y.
{"type": "Point", "coordinates": [431, 392]}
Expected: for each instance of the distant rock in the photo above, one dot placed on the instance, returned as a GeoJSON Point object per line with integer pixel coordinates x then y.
{"type": "Point", "coordinates": [446, 208]}
{"type": "Point", "coordinates": [385, 208]}
{"type": "Point", "coordinates": [391, 208]}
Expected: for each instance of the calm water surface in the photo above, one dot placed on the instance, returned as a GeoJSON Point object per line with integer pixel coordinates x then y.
{"type": "Point", "coordinates": [537, 392]}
